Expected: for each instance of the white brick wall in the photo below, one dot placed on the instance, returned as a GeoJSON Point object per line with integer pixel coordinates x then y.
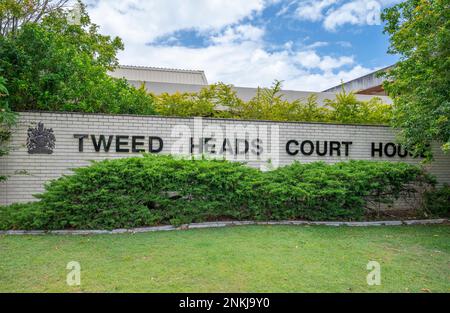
{"type": "Point", "coordinates": [28, 172]}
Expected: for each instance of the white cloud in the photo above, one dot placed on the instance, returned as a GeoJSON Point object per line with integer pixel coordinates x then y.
{"type": "Point", "coordinates": [316, 44]}
{"type": "Point", "coordinates": [310, 60]}
{"type": "Point", "coordinates": [238, 34]}
{"type": "Point", "coordinates": [335, 13]}
{"type": "Point", "coordinates": [236, 52]}
{"type": "Point", "coordinates": [144, 21]}
{"type": "Point", "coordinates": [359, 12]}
{"type": "Point", "coordinates": [312, 10]}
{"type": "Point", "coordinates": [248, 63]}
{"type": "Point", "coordinates": [325, 80]}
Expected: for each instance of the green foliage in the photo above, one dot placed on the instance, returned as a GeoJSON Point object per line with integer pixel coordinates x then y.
{"type": "Point", "coordinates": [151, 190]}
{"type": "Point", "coordinates": [14, 13]}
{"type": "Point", "coordinates": [24, 215]}
{"type": "Point", "coordinates": [345, 108]}
{"type": "Point", "coordinates": [156, 189]}
{"type": "Point", "coordinates": [54, 65]}
{"type": "Point", "coordinates": [217, 100]}
{"type": "Point", "coordinates": [420, 83]}
{"type": "Point", "coordinates": [220, 100]}
{"type": "Point", "coordinates": [7, 120]}
{"type": "Point", "coordinates": [437, 201]}
{"type": "Point", "coordinates": [345, 190]}
{"type": "Point", "coordinates": [183, 104]}
{"type": "Point", "coordinates": [269, 104]}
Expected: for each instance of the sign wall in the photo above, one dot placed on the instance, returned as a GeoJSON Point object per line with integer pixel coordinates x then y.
{"type": "Point", "coordinates": [47, 145]}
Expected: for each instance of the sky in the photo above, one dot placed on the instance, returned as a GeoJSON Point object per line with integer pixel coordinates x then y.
{"type": "Point", "coordinates": [310, 45]}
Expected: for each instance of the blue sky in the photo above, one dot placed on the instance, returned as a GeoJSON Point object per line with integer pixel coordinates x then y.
{"type": "Point", "coordinates": [309, 44]}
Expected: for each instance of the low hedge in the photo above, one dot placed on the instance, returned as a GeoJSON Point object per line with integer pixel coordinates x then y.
{"type": "Point", "coordinates": [437, 201]}
{"type": "Point", "coordinates": [155, 190]}
{"type": "Point", "coordinates": [341, 191]}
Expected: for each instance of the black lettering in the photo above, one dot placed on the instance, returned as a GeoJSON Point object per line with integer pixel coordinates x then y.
{"type": "Point", "coordinates": [101, 142]}
{"type": "Point", "coordinates": [325, 148]}
{"type": "Point", "coordinates": [210, 146]}
{"type": "Point", "coordinates": [335, 146]}
{"type": "Point", "coordinates": [288, 147]}
{"type": "Point", "coordinates": [152, 148]}
{"type": "Point", "coordinates": [388, 153]}
{"type": "Point", "coordinates": [135, 144]}
{"type": "Point", "coordinates": [80, 141]}
{"type": "Point", "coordinates": [120, 143]}
{"type": "Point", "coordinates": [226, 146]}
{"type": "Point", "coordinates": [237, 142]}
{"type": "Point", "coordinates": [347, 146]}
{"type": "Point", "coordinates": [193, 146]}
{"type": "Point", "coordinates": [311, 147]}
{"type": "Point", "coordinates": [257, 149]}
{"type": "Point", "coordinates": [379, 149]}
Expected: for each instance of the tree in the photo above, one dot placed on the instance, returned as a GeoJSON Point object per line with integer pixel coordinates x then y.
{"type": "Point", "coordinates": [55, 65]}
{"type": "Point", "coordinates": [7, 120]}
{"type": "Point", "coordinates": [15, 13]}
{"type": "Point", "coordinates": [419, 84]}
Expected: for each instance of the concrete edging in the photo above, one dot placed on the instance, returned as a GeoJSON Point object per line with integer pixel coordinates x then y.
{"type": "Point", "coordinates": [220, 224]}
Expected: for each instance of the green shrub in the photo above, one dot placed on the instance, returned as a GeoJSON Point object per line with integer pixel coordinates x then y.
{"type": "Point", "coordinates": [7, 120]}
{"type": "Point", "coordinates": [150, 190]}
{"type": "Point", "coordinates": [320, 191]}
{"type": "Point", "coordinates": [346, 108]}
{"type": "Point", "coordinates": [23, 216]}
{"type": "Point", "coordinates": [221, 101]}
{"type": "Point", "coordinates": [156, 189]}
{"type": "Point", "coordinates": [202, 103]}
{"type": "Point", "coordinates": [437, 201]}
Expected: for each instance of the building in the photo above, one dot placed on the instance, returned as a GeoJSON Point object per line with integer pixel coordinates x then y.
{"type": "Point", "coordinates": [370, 84]}
{"type": "Point", "coordinates": [136, 75]}
{"type": "Point", "coordinates": [162, 80]}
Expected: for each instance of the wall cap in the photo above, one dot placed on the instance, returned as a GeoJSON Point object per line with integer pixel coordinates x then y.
{"type": "Point", "coordinates": [204, 118]}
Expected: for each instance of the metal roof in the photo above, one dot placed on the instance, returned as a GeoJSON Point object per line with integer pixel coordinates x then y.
{"type": "Point", "coordinates": [160, 75]}
{"type": "Point", "coordinates": [368, 84]}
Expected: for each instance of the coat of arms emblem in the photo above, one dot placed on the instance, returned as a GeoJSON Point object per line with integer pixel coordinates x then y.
{"type": "Point", "coordinates": [40, 140]}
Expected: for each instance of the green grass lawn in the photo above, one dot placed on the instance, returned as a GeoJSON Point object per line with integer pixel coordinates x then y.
{"type": "Point", "coordinates": [233, 259]}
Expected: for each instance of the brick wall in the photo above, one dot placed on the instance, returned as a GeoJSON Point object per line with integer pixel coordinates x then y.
{"type": "Point", "coordinates": [28, 172]}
